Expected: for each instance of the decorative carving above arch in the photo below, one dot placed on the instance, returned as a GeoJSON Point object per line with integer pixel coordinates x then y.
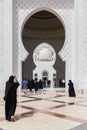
{"type": "Point", "coordinates": [28, 15]}
{"type": "Point", "coordinates": [23, 9]}
{"type": "Point", "coordinates": [58, 8]}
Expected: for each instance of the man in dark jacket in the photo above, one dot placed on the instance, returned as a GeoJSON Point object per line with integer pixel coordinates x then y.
{"type": "Point", "coordinates": [10, 97]}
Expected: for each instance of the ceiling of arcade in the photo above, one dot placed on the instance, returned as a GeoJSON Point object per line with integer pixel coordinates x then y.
{"type": "Point", "coordinates": [43, 24]}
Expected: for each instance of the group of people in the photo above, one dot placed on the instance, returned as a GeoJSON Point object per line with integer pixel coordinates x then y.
{"type": "Point", "coordinates": [10, 96]}
{"type": "Point", "coordinates": [35, 84]}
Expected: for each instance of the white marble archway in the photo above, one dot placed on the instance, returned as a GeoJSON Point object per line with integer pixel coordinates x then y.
{"type": "Point", "coordinates": [61, 51]}
{"type": "Point", "coordinates": [23, 12]}
{"type": "Point", "coordinates": [44, 59]}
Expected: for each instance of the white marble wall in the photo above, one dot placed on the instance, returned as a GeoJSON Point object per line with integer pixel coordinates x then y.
{"type": "Point", "coordinates": [80, 44]}
{"type": "Point", "coordinates": [84, 45]}
{"type": "Point", "coordinates": [6, 43]}
{"type": "Point", "coordinates": [1, 43]}
{"type": "Point", "coordinates": [72, 13]}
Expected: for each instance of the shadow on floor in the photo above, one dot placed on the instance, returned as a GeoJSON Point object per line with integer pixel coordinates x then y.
{"type": "Point", "coordinates": [80, 127]}
{"type": "Point", "coordinates": [21, 116]}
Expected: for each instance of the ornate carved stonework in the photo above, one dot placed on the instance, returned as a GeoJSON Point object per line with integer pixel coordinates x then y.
{"type": "Point", "coordinates": [63, 9]}
{"type": "Point", "coordinates": [73, 16]}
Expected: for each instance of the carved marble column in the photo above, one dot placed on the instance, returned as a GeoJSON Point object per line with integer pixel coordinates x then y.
{"type": "Point", "coordinates": [1, 43]}
{"type": "Point", "coordinates": [80, 52]}
{"type": "Point", "coordinates": [8, 39]}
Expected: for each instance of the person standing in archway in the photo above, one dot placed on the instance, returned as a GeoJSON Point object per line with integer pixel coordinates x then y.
{"type": "Point", "coordinates": [10, 97]}
{"type": "Point", "coordinates": [71, 89]}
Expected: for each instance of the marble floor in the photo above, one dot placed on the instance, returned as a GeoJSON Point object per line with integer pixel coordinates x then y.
{"type": "Point", "coordinates": [50, 110]}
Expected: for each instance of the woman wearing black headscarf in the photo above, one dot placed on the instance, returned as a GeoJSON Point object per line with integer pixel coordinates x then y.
{"type": "Point", "coordinates": [71, 89]}
{"type": "Point", "coordinates": [10, 97]}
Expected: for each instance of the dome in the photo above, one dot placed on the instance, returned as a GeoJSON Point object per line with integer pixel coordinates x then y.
{"type": "Point", "coordinates": [45, 54]}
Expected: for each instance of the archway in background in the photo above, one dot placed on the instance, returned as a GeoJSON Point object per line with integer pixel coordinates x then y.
{"type": "Point", "coordinates": [44, 75]}
{"type": "Point", "coordinates": [43, 26]}
{"type": "Point", "coordinates": [44, 57]}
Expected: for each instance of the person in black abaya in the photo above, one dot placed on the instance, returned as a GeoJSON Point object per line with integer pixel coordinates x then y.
{"type": "Point", "coordinates": [36, 85]}
{"type": "Point", "coordinates": [40, 86]}
{"type": "Point", "coordinates": [71, 89]}
{"type": "Point", "coordinates": [10, 97]}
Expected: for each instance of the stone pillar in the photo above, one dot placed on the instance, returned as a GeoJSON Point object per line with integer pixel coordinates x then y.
{"type": "Point", "coordinates": [79, 62]}
{"type": "Point", "coordinates": [1, 43]}
{"type": "Point", "coordinates": [8, 39]}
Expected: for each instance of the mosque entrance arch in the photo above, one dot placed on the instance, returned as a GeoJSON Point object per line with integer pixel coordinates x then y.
{"type": "Point", "coordinates": [36, 32]}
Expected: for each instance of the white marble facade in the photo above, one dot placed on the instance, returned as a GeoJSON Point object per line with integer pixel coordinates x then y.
{"type": "Point", "coordinates": [73, 16]}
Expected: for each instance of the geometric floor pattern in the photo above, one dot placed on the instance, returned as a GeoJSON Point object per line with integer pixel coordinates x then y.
{"type": "Point", "coordinates": [50, 110]}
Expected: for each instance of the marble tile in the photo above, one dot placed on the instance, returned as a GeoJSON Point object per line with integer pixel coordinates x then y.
{"type": "Point", "coordinates": [51, 110]}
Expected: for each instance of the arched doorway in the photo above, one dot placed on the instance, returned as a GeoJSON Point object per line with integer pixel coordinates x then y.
{"type": "Point", "coordinates": [44, 57]}
{"type": "Point", "coordinates": [43, 26]}
{"type": "Point", "coordinates": [44, 75]}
